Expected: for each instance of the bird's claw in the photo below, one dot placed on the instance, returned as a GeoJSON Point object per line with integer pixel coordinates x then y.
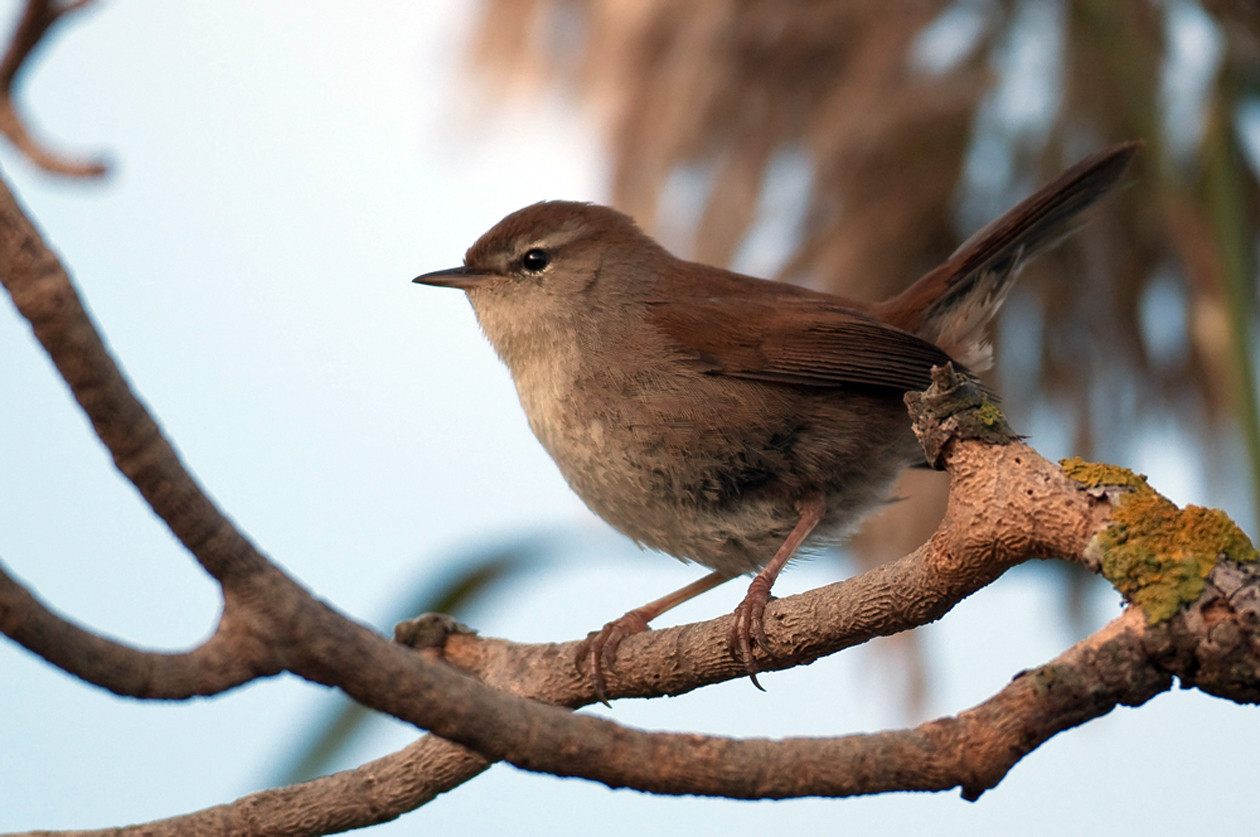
{"type": "Point", "coordinates": [598, 651]}
{"type": "Point", "coordinates": [748, 630]}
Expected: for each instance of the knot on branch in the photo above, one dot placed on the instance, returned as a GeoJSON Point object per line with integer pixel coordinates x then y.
{"type": "Point", "coordinates": [954, 407]}
{"type": "Point", "coordinates": [428, 630]}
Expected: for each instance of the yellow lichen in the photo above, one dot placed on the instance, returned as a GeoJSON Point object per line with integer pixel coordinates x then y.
{"type": "Point", "coordinates": [1155, 554]}
{"type": "Point", "coordinates": [1094, 474]}
{"type": "Point", "coordinates": [989, 413]}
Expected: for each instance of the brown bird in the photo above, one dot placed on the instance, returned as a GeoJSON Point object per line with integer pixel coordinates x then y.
{"type": "Point", "coordinates": [725, 419]}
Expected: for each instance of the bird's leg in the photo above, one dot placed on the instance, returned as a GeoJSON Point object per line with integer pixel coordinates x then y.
{"type": "Point", "coordinates": [599, 649]}
{"type": "Point", "coordinates": [748, 628]}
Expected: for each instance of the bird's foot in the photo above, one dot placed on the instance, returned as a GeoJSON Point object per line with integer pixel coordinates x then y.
{"type": "Point", "coordinates": [598, 651]}
{"type": "Point", "coordinates": [748, 627]}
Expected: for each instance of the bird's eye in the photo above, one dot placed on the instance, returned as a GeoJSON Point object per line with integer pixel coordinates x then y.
{"type": "Point", "coordinates": [535, 260]}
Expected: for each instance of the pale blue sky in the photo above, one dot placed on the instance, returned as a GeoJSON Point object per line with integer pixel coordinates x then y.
{"type": "Point", "coordinates": [283, 170]}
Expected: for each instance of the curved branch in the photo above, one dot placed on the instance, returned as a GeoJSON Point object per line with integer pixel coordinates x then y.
{"type": "Point", "coordinates": [376, 792]}
{"type": "Point", "coordinates": [37, 19]}
{"type": "Point", "coordinates": [43, 293]}
{"type": "Point", "coordinates": [225, 660]}
{"type": "Point", "coordinates": [973, 750]}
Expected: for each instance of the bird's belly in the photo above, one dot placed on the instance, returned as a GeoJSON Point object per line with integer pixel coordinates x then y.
{"type": "Point", "coordinates": [722, 487]}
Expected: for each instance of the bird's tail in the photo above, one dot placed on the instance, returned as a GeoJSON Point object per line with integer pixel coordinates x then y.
{"type": "Point", "coordinates": [952, 304]}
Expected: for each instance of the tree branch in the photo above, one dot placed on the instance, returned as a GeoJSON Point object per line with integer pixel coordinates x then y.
{"type": "Point", "coordinates": [226, 660]}
{"type": "Point", "coordinates": [37, 20]}
{"type": "Point", "coordinates": [377, 792]}
{"type": "Point", "coordinates": [43, 293]}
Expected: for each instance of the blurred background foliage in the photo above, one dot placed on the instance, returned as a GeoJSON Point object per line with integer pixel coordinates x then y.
{"type": "Point", "coordinates": [850, 145]}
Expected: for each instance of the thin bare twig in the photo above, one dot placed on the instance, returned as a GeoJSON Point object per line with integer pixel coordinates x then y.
{"type": "Point", "coordinates": [37, 20]}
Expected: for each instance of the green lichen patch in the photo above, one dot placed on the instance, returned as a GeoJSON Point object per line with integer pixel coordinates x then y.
{"type": "Point", "coordinates": [1213, 528]}
{"type": "Point", "coordinates": [1155, 554]}
{"type": "Point", "coordinates": [1094, 474]}
{"type": "Point", "coordinates": [990, 414]}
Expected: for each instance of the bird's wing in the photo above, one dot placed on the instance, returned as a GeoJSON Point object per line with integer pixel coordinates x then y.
{"type": "Point", "coordinates": [793, 336]}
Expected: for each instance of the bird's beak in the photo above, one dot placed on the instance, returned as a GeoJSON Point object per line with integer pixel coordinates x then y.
{"type": "Point", "coordinates": [456, 277]}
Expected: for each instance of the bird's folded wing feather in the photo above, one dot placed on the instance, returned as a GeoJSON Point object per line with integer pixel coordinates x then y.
{"type": "Point", "coordinates": [795, 337]}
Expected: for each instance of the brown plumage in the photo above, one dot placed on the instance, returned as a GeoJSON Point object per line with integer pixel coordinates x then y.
{"type": "Point", "coordinates": [721, 418]}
